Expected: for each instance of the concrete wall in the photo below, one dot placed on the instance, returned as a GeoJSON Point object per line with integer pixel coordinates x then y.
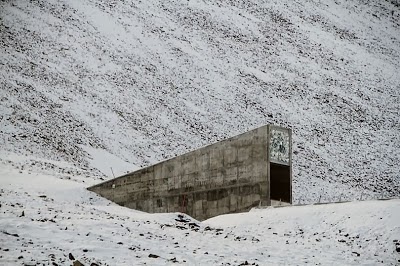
{"type": "Point", "coordinates": [225, 177]}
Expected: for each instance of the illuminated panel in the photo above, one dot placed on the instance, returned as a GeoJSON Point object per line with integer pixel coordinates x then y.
{"type": "Point", "coordinates": [279, 146]}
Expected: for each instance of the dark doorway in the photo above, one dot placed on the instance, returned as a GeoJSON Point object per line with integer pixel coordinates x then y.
{"type": "Point", "coordinates": [280, 187]}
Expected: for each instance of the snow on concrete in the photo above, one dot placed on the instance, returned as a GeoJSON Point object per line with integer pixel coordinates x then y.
{"type": "Point", "coordinates": [145, 81]}
{"type": "Point", "coordinates": [86, 86]}
{"type": "Point", "coordinates": [44, 219]}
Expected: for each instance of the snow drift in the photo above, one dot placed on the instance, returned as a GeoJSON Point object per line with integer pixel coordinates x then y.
{"type": "Point", "coordinates": [85, 81]}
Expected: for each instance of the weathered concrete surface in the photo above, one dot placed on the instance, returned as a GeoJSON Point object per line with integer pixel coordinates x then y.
{"type": "Point", "coordinates": [225, 177]}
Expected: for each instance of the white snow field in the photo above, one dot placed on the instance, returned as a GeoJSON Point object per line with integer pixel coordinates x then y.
{"type": "Point", "coordinates": [61, 217]}
{"type": "Point", "coordinates": [91, 89]}
{"type": "Point", "coordinates": [141, 81]}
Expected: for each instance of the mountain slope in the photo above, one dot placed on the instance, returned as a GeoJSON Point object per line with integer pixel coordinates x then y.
{"type": "Point", "coordinates": [142, 81]}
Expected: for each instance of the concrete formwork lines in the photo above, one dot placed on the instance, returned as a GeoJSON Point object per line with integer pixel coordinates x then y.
{"type": "Point", "coordinates": [227, 176]}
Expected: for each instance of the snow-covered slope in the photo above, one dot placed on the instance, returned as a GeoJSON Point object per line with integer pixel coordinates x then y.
{"type": "Point", "coordinates": [90, 85]}
{"type": "Point", "coordinates": [47, 219]}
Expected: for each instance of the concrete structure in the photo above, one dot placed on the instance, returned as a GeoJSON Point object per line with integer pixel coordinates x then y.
{"type": "Point", "coordinates": [229, 176]}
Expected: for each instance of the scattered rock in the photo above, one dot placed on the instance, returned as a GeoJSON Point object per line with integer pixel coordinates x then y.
{"type": "Point", "coordinates": [15, 235]}
{"type": "Point", "coordinates": [358, 254]}
{"type": "Point", "coordinates": [174, 260]}
{"type": "Point", "coordinates": [153, 256]}
{"type": "Point", "coordinates": [181, 227]}
{"type": "Point", "coordinates": [193, 225]}
{"type": "Point", "coordinates": [71, 257]}
{"type": "Point", "coordinates": [181, 219]}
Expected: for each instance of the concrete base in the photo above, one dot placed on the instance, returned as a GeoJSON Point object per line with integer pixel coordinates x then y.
{"type": "Point", "coordinates": [225, 177]}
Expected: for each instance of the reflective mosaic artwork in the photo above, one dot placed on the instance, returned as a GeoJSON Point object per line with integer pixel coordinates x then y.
{"type": "Point", "coordinates": [279, 146]}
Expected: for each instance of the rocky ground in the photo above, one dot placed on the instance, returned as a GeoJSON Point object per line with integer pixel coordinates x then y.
{"type": "Point", "coordinates": [144, 81]}
{"type": "Point", "coordinates": [52, 221]}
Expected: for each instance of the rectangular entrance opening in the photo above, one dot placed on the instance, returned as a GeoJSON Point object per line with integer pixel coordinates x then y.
{"type": "Point", "coordinates": [280, 187]}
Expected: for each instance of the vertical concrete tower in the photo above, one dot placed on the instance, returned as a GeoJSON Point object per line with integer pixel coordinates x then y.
{"type": "Point", "coordinates": [229, 176]}
{"type": "Point", "coordinates": [280, 164]}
